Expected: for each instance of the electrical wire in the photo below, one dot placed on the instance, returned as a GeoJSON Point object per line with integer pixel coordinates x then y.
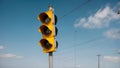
{"type": "Point", "coordinates": [74, 55]}
{"type": "Point", "coordinates": [74, 9]}
{"type": "Point", "coordinates": [82, 43]}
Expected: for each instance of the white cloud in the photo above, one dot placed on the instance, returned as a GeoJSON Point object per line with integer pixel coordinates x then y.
{"type": "Point", "coordinates": [9, 55]}
{"type": "Point", "coordinates": [102, 18]}
{"type": "Point", "coordinates": [112, 58]}
{"type": "Point", "coordinates": [78, 66]}
{"type": "Point", "coordinates": [113, 33]}
{"type": "Point", "coordinates": [1, 47]}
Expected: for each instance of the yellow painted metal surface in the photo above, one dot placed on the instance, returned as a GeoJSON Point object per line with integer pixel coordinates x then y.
{"type": "Point", "coordinates": [51, 27]}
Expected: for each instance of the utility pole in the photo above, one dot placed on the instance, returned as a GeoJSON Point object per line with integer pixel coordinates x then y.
{"type": "Point", "coordinates": [51, 53]}
{"type": "Point", "coordinates": [50, 59]}
{"type": "Point", "coordinates": [118, 11]}
{"type": "Point", "coordinates": [98, 60]}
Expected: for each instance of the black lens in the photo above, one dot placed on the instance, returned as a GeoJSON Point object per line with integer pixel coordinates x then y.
{"type": "Point", "coordinates": [46, 20]}
{"type": "Point", "coordinates": [47, 45]}
{"type": "Point", "coordinates": [46, 31]}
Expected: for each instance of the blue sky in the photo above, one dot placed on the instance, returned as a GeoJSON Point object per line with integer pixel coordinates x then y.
{"type": "Point", "coordinates": [85, 29]}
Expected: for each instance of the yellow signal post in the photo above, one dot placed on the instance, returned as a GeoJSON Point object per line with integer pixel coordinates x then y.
{"type": "Point", "coordinates": [48, 31]}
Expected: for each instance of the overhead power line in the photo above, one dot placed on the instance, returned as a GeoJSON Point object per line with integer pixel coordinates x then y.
{"type": "Point", "coordinates": [74, 9]}
{"type": "Point", "coordinates": [83, 43]}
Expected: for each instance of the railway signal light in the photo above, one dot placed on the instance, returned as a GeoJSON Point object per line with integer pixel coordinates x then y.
{"type": "Point", "coordinates": [48, 30]}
